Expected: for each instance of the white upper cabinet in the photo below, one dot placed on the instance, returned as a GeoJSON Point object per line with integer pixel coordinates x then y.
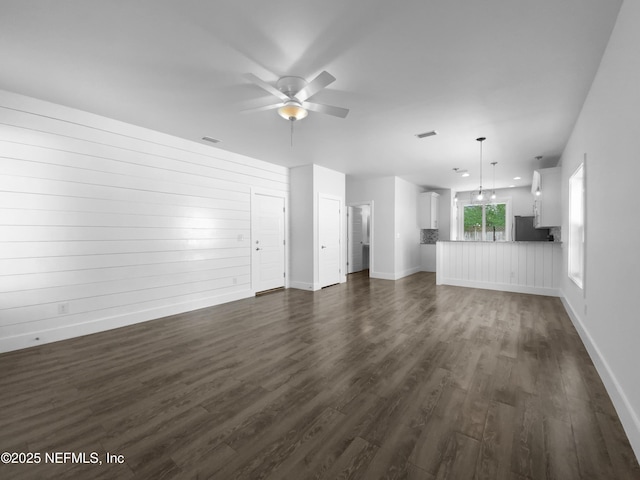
{"type": "Point", "coordinates": [428, 210]}
{"type": "Point", "coordinates": [546, 206]}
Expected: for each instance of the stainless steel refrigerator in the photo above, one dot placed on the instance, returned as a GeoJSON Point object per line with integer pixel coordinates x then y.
{"type": "Point", "coordinates": [525, 231]}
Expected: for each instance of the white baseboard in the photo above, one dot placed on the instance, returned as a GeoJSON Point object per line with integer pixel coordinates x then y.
{"type": "Point", "coordinates": [395, 276]}
{"type": "Point", "coordinates": [410, 271]}
{"type": "Point", "coordinates": [503, 287]}
{"type": "Point", "coordinates": [18, 342]}
{"type": "Point", "coordinates": [304, 286]}
{"type": "Point", "coordinates": [382, 275]}
{"type": "Point", "coordinates": [628, 416]}
{"type": "Point", "coordinates": [313, 287]}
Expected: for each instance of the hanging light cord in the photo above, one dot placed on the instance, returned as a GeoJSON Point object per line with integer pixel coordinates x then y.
{"type": "Point", "coordinates": [291, 119]}
{"type": "Point", "coordinates": [480, 166]}
{"type": "Point", "coordinates": [494, 176]}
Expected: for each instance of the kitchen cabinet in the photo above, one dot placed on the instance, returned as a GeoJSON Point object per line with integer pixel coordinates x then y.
{"type": "Point", "coordinates": [547, 210]}
{"type": "Point", "coordinates": [428, 210]}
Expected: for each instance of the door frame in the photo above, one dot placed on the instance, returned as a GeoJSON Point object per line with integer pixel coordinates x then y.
{"type": "Point", "coordinates": [254, 264]}
{"type": "Point", "coordinates": [371, 233]}
{"type": "Point", "coordinates": [349, 236]}
{"type": "Point", "coordinates": [316, 240]}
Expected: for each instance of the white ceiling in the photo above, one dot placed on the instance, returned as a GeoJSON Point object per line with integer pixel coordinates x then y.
{"type": "Point", "coordinates": [516, 72]}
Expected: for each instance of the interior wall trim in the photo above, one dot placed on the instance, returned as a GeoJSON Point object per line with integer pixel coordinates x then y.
{"type": "Point", "coordinates": [628, 416]}
{"type": "Point", "coordinates": [502, 287]}
{"type": "Point", "coordinates": [304, 286]}
{"type": "Point", "coordinates": [382, 275]}
{"type": "Point", "coordinates": [65, 332]}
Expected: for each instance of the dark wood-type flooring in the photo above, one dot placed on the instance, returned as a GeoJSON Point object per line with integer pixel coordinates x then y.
{"type": "Point", "coordinates": [368, 379]}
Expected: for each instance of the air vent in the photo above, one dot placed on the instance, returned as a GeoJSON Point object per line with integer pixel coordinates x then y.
{"type": "Point", "coordinates": [211, 139]}
{"type": "Point", "coordinates": [426, 134]}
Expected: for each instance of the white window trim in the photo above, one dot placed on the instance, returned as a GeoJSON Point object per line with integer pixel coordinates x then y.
{"type": "Point", "coordinates": [577, 276]}
{"type": "Point", "coordinates": [508, 223]}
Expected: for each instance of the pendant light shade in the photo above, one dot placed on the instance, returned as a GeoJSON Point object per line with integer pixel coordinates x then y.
{"type": "Point", "coordinates": [292, 110]}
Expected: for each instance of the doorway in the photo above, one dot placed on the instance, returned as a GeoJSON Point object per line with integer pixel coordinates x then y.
{"type": "Point", "coordinates": [358, 237]}
{"type": "Point", "coordinates": [268, 235]}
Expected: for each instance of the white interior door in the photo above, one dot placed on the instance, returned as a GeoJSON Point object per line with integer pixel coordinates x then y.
{"type": "Point", "coordinates": [268, 247]}
{"type": "Point", "coordinates": [355, 240]}
{"type": "Point", "coordinates": [328, 241]}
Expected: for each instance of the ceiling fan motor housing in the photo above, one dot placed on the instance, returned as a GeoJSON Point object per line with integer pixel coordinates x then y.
{"type": "Point", "coordinates": [291, 85]}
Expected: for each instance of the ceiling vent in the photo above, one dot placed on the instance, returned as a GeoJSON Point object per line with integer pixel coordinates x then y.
{"type": "Point", "coordinates": [211, 139]}
{"type": "Point", "coordinates": [426, 134]}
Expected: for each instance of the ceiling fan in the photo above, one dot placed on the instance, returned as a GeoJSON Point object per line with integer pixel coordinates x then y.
{"type": "Point", "coordinates": [293, 93]}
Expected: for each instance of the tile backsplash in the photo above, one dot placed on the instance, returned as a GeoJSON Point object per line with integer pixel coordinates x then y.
{"type": "Point", "coordinates": [556, 232]}
{"type": "Point", "coordinates": [428, 237]}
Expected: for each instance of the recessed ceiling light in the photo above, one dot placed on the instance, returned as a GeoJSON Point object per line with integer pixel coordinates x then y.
{"type": "Point", "coordinates": [211, 139]}
{"type": "Point", "coordinates": [426, 134]}
{"type": "Point", "coordinates": [511, 186]}
{"type": "Point", "coordinates": [465, 174]}
{"type": "Point", "coordinates": [516, 178]}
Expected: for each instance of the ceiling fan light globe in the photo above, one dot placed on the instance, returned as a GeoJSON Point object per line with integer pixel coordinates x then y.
{"type": "Point", "coordinates": [292, 111]}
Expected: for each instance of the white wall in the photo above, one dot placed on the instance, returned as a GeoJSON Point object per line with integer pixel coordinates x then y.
{"type": "Point", "coordinates": [382, 192]}
{"type": "Point", "coordinates": [301, 227]}
{"type": "Point", "coordinates": [607, 317]}
{"type": "Point", "coordinates": [307, 183]}
{"type": "Point", "coordinates": [396, 236]}
{"type": "Point", "coordinates": [521, 199]}
{"type": "Point", "coordinates": [333, 183]}
{"type": "Point", "coordinates": [407, 241]}
{"type": "Point", "coordinates": [104, 224]}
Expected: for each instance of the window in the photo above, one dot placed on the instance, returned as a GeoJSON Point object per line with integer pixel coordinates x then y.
{"type": "Point", "coordinates": [576, 226]}
{"type": "Point", "coordinates": [488, 222]}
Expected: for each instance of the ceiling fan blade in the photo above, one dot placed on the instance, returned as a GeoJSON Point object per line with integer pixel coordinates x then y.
{"type": "Point", "coordinates": [315, 85]}
{"type": "Point", "coordinates": [262, 108]}
{"type": "Point", "coordinates": [265, 86]}
{"type": "Point", "coordinates": [328, 109]}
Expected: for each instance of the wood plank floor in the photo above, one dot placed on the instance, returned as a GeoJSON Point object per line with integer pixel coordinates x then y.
{"type": "Point", "coordinates": [368, 379]}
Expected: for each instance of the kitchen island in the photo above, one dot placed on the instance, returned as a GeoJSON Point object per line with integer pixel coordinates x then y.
{"type": "Point", "coordinates": [524, 267]}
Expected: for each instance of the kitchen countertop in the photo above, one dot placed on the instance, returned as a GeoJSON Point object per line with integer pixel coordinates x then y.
{"type": "Point", "coordinates": [486, 241]}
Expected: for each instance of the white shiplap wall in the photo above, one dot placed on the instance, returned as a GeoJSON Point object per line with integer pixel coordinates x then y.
{"type": "Point", "coordinates": [524, 267]}
{"type": "Point", "coordinates": [104, 224]}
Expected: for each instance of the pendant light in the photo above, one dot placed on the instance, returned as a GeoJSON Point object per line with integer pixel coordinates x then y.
{"type": "Point", "coordinates": [480, 196]}
{"type": "Point", "coordinates": [493, 192]}
{"type": "Point", "coordinates": [538, 192]}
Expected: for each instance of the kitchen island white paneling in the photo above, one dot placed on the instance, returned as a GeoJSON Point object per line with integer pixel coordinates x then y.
{"type": "Point", "coordinates": [524, 267]}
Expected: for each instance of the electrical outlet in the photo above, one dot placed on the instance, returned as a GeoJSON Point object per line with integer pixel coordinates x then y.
{"type": "Point", "coordinates": [63, 308]}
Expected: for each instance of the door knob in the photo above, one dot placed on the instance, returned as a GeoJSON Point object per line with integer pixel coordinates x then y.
{"type": "Point", "coordinates": [257, 248]}
{"type": "Point", "coordinates": [323, 246]}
